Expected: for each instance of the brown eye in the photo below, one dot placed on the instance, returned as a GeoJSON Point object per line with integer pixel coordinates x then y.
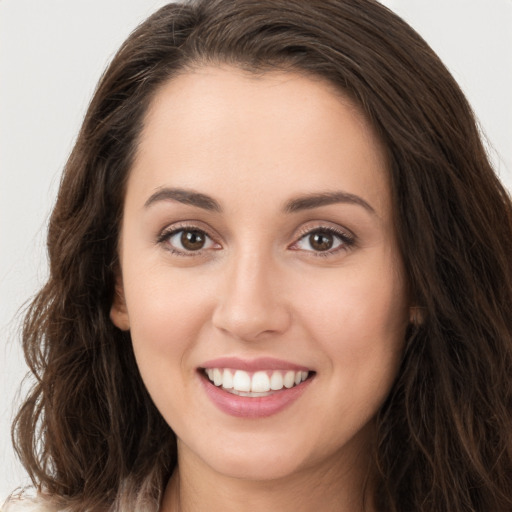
{"type": "Point", "coordinates": [192, 240]}
{"type": "Point", "coordinates": [324, 241]}
{"type": "Point", "coordinates": [321, 241]}
{"type": "Point", "coordinates": [188, 241]}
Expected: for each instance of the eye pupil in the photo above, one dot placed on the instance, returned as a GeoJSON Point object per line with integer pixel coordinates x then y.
{"type": "Point", "coordinates": [192, 240]}
{"type": "Point", "coordinates": [321, 241]}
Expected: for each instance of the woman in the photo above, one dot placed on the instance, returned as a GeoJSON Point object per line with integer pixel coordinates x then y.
{"type": "Point", "coordinates": [279, 276]}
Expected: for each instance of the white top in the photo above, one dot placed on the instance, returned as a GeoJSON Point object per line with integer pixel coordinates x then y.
{"type": "Point", "coordinates": [26, 504]}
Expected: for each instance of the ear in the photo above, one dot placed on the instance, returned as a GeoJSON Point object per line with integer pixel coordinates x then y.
{"type": "Point", "coordinates": [416, 315]}
{"type": "Point", "coordinates": [118, 310]}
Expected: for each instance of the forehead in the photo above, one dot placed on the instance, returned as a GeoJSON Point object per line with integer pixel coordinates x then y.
{"type": "Point", "coordinates": [272, 132]}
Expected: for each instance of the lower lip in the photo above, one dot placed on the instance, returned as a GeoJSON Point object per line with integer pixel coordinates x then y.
{"type": "Point", "coordinates": [253, 407]}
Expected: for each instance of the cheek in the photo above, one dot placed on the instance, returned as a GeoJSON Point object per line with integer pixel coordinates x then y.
{"type": "Point", "coordinates": [167, 313]}
{"type": "Point", "coordinates": [167, 310]}
{"type": "Point", "coordinates": [359, 318]}
{"type": "Point", "coordinates": [360, 330]}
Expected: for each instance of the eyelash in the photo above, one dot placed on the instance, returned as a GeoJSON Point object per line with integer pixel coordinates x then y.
{"type": "Point", "coordinates": [347, 240]}
{"type": "Point", "coordinates": [168, 233]}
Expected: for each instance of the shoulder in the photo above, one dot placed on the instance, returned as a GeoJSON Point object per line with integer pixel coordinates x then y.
{"type": "Point", "coordinates": [26, 504]}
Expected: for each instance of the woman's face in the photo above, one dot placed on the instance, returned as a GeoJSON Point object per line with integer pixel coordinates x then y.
{"type": "Point", "coordinates": [258, 252]}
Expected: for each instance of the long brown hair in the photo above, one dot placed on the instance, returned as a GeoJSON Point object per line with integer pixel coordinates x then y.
{"type": "Point", "coordinates": [88, 432]}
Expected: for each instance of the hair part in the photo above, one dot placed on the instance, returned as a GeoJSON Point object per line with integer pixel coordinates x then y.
{"type": "Point", "coordinates": [89, 433]}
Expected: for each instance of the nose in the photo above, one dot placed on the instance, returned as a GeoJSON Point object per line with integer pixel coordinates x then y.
{"type": "Point", "coordinates": [251, 304]}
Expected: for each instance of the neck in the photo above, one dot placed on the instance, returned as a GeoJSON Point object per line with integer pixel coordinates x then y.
{"type": "Point", "coordinates": [330, 488]}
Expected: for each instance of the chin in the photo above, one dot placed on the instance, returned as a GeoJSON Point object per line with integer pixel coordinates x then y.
{"type": "Point", "coordinates": [256, 470]}
{"type": "Point", "coordinates": [256, 459]}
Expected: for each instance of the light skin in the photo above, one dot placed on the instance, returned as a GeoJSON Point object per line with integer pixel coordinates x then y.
{"type": "Point", "coordinates": [282, 188]}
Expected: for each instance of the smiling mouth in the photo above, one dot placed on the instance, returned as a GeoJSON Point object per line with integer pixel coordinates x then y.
{"type": "Point", "coordinates": [255, 384]}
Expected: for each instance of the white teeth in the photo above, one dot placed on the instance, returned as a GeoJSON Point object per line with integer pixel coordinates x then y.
{"type": "Point", "coordinates": [276, 381]}
{"type": "Point", "coordinates": [227, 379]}
{"type": "Point", "coordinates": [242, 381]}
{"type": "Point", "coordinates": [260, 383]}
{"type": "Point", "coordinates": [289, 380]}
{"type": "Point", "coordinates": [217, 377]}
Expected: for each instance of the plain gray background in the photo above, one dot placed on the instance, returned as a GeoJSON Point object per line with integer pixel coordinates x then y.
{"type": "Point", "coordinates": [52, 53]}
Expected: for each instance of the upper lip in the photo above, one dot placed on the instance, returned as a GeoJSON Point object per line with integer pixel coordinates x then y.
{"type": "Point", "coordinates": [253, 365]}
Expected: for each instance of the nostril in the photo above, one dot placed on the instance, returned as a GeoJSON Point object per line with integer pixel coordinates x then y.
{"type": "Point", "coordinates": [252, 323]}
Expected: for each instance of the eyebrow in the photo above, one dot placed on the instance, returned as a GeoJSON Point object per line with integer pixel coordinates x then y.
{"type": "Point", "coordinates": [306, 202]}
{"type": "Point", "coordinates": [184, 196]}
{"type": "Point", "coordinates": [311, 201]}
